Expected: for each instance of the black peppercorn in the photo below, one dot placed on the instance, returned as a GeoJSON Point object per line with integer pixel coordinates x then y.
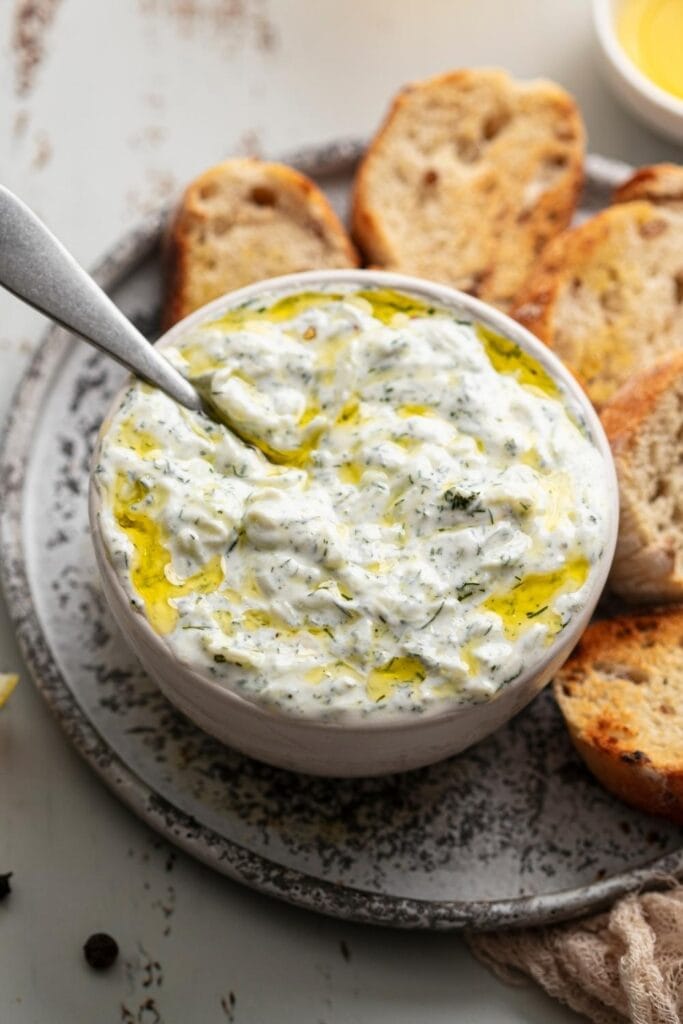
{"type": "Point", "coordinates": [101, 951]}
{"type": "Point", "coordinates": [5, 888]}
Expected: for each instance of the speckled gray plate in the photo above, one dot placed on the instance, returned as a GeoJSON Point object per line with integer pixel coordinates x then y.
{"type": "Point", "coordinates": [513, 831]}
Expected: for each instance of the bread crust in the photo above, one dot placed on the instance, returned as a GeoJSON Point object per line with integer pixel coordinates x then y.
{"type": "Point", "coordinates": [626, 412]}
{"type": "Point", "coordinates": [192, 220]}
{"type": "Point", "coordinates": [606, 295]}
{"type": "Point", "coordinates": [644, 425]}
{"type": "Point", "coordinates": [535, 302]}
{"type": "Point", "coordinates": [624, 715]}
{"type": "Point", "coordinates": [658, 183]}
{"type": "Point", "coordinates": [479, 261]}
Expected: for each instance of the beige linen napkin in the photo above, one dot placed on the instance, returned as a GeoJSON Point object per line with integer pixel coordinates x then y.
{"type": "Point", "coordinates": [622, 966]}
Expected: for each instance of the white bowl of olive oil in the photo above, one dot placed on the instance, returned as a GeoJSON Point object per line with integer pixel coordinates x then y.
{"type": "Point", "coordinates": [641, 43]}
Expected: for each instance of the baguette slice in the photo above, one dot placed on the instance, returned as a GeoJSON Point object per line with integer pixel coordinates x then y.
{"type": "Point", "coordinates": [607, 296]}
{"type": "Point", "coordinates": [621, 694]}
{"type": "Point", "coordinates": [469, 176]}
{"type": "Point", "coordinates": [659, 183]}
{"type": "Point", "coordinates": [644, 424]}
{"type": "Point", "coordinates": [244, 221]}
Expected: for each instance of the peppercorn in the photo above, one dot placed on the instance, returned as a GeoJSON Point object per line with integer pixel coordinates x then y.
{"type": "Point", "coordinates": [100, 951]}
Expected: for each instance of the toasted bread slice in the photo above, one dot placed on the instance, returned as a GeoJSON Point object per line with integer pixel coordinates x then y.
{"type": "Point", "coordinates": [621, 693]}
{"type": "Point", "coordinates": [607, 296]}
{"type": "Point", "coordinates": [644, 424]}
{"type": "Point", "coordinates": [659, 183]}
{"type": "Point", "coordinates": [244, 221]}
{"type": "Point", "coordinates": [468, 178]}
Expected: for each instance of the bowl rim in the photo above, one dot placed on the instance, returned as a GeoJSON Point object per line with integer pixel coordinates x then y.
{"type": "Point", "coordinates": [450, 298]}
{"type": "Point", "coordinates": [604, 21]}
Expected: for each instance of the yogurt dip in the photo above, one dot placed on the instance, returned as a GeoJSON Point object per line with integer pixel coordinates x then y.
{"type": "Point", "coordinates": [400, 514]}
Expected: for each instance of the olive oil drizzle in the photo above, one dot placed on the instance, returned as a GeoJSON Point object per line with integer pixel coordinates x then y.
{"type": "Point", "coordinates": [398, 672]}
{"type": "Point", "coordinates": [151, 558]}
{"type": "Point", "coordinates": [508, 357]}
{"type": "Point", "coordinates": [530, 600]}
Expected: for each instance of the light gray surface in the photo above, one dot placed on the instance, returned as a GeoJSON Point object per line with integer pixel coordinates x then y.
{"type": "Point", "coordinates": [132, 101]}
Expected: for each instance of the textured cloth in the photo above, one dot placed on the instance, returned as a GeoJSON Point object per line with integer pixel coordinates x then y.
{"type": "Point", "coordinates": [622, 966]}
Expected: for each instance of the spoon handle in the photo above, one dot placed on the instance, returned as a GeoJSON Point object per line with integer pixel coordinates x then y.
{"type": "Point", "coordinates": [37, 268]}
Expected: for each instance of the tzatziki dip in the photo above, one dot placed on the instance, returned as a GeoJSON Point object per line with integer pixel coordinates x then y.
{"type": "Point", "coordinates": [399, 512]}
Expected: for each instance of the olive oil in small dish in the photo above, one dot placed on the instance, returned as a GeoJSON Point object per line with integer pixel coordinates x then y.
{"type": "Point", "coordinates": [651, 33]}
{"type": "Point", "coordinates": [641, 43]}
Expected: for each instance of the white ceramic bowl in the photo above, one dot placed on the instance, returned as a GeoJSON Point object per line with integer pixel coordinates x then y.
{"type": "Point", "coordinates": [373, 746]}
{"type": "Point", "coordinates": [656, 107]}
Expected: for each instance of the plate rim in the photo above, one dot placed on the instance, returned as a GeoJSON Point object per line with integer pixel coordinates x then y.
{"type": "Point", "coordinates": [224, 855]}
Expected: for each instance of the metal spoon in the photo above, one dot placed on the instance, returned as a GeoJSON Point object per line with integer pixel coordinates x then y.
{"type": "Point", "coordinates": [37, 268]}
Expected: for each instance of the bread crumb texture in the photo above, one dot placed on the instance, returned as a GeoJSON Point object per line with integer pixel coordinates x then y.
{"type": "Point", "coordinates": [621, 693]}
{"type": "Point", "coordinates": [244, 221]}
{"type": "Point", "coordinates": [468, 178]}
{"type": "Point", "coordinates": [644, 425]}
{"type": "Point", "coordinates": [607, 296]}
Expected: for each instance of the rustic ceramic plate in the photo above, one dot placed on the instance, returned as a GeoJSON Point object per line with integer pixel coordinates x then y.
{"type": "Point", "coordinates": [514, 831]}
